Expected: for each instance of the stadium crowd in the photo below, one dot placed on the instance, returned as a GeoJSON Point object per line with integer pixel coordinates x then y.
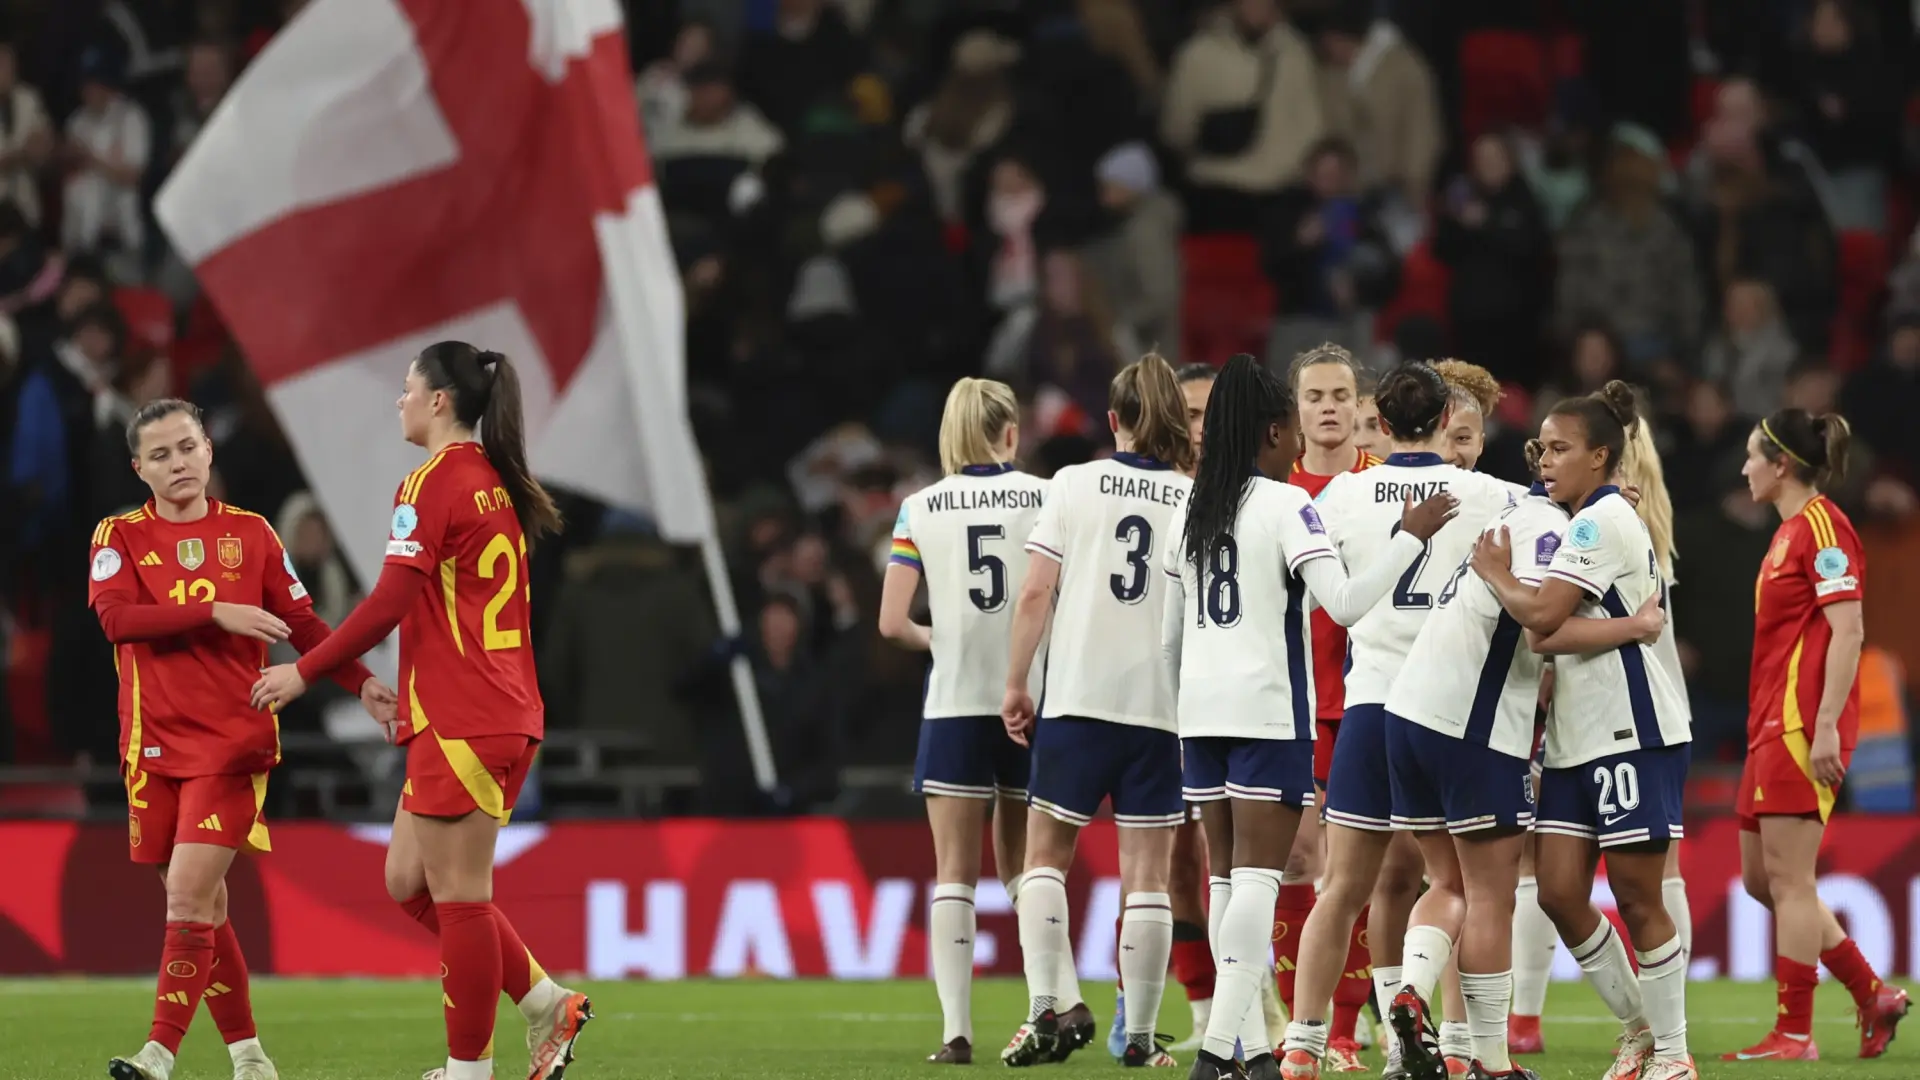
{"type": "Point", "coordinates": [870, 198]}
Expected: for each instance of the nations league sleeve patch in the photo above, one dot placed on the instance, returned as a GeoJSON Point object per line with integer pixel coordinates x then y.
{"type": "Point", "coordinates": [1312, 519]}
{"type": "Point", "coordinates": [106, 564]}
{"type": "Point", "coordinates": [404, 521]}
{"type": "Point", "coordinates": [1830, 563]}
{"type": "Point", "coordinates": [1544, 547]}
{"type": "Point", "coordinates": [1584, 533]}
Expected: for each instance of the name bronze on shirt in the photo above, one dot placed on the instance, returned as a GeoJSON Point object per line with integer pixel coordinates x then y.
{"type": "Point", "coordinates": [989, 499]}
{"type": "Point", "coordinates": [1390, 491]}
{"type": "Point", "coordinates": [1140, 487]}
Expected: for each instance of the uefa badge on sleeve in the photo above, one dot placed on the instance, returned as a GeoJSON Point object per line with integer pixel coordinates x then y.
{"type": "Point", "coordinates": [106, 563]}
{"type": "Point", "coordinates": [405, 519]}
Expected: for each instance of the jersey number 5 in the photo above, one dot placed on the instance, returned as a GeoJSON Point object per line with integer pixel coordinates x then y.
{"type": "Point", "coordinates": [994, 596]}
{"type": "Point", "coordinates": [492, 637]}
{"type": "Point", "coordinates": [1137, 532]}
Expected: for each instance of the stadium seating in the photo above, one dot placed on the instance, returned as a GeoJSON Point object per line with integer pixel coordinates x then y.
{"type": "Point", "coordinates": [1228, 304]}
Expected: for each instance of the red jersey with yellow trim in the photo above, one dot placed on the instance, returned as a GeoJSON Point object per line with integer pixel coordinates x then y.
{"type": "Point", "coordinates": [1329, 637]}
{"type": "Point", "coordinates": [1816, 560]}
{"type": "Point", "coordinates": [185, 705]}
{"type": "Point", "coordinates": [466, 658]}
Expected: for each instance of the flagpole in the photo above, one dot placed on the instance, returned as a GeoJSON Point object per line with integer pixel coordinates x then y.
{"type": "Point", "coordinates": [752, 722]}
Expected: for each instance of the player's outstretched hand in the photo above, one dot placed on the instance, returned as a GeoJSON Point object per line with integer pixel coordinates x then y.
{"type": "Point", "coordinates": [382, 703]}
{"type": "Point", "coordinates": [1425, 520]}
{"type": "Point", "coordinates": [1825, 756]}
{"type": "Point", "coordinates": [278, 686]}
{"type": "Point", "coordinates": [1493, 552]}
{"type": "Point", "coordinates": [1651, 620]}
{"type": "Point", "coordinates": [1016, 711]}
{"type": "Point", "coordinates": [249, 621]}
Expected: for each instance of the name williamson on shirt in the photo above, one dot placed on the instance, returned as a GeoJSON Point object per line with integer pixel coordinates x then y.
{"type": "Point", "coordinates": [1135, 487]}
{"type": "Point", "coordinates": [989, 499]}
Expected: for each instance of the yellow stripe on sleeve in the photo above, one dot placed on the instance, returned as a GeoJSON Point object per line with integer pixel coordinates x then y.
{"type": "Point", "coordinates": [1823, 534]}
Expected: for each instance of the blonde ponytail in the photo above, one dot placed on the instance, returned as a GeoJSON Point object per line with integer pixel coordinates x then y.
{"type": "Point", "coordinates": [1640, 467]}
{"type": "Point", "coordinates": [976, 416]}
{"type": "Point", "coordinates": [1146, 398]}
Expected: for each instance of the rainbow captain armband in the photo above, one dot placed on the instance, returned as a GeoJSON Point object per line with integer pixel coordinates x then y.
{"type": "Point", "coordinates": [904, 552]}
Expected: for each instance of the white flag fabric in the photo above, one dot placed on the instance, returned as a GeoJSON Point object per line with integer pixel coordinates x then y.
{"type": "Point", "coordinates": [391, 173]}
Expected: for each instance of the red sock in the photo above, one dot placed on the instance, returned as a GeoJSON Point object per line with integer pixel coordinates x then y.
{"type": "Point", "coordinates": [186, 963]}
{"type": "Point", "coordinates": [419, 908]}
{"type": "Point", "coordinates": [1853, 971]}
{"type": "Point", "coordinates": [517, 966]}
{"type": "Point", "coordinates": [1290, 913]}
{"type": "Point", "coordinates": [227, 996]}
{"type": "Point", "coordinates": [1193, 961]}
{"type": "Point", "coordinates": [1356, 982]}
{"type": "Point", "coordinates": [1796, 982]}
{"type": "Point", "coordinates": [470, 985]}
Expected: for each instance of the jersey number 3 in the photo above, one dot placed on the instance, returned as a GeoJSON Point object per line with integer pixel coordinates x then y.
{"type": "Point", "coordinates": [492, 637]}
{"type": "Point", "coordinates": [1136, 532]}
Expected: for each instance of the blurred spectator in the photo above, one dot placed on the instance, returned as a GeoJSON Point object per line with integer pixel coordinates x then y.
{"type": "Point", "coordinates": [1594, 355]}
{"type": "Point", "coordinates": [1492, 235]}
{"type": "Point", "coordinates": [1115, 30]}
{"type": "Point", "coordinates": [1624, 259]}
{"type": "Point", "coordinates": [27, 277]}
{"type": "Point", "coordinates": [1378, 92]}
{"type": "Point", "coordinates": [1327, 253]}
{"type": "Point", "coordinates": [809, 56]}
{"type": "Point", "coordinates": [1903, 286]}
{"type": "Point", "coordinates": [802, 701]}
{"type": "Point", "coordinates": [630, 626]}
{"type": "Point", "coordinates": [1015, 199]}
{"type": "Point", "coordinates": [34, 452]}
{"type": "Point", "coordinates": [317, 561]}
{"type": "Point", "coordinates": [108, 141]}
{"type": "Point", "coordinates": [26, 138]}
{"type": "Point", "coordinates": [1557, 168]}
{"type": "Point", "coordinates": [1137, 262]}
{"type": "Point", "coordinates": [1709, 448]}
{"type": "Point", "coordinates": [662, 89]}
{"type": "Point", "coordinates": [1880, 400]}
{"type": "Point", "coordinates": [970, 111]}
{"type": "Point", "coordinates": [1242, 109]}
{"type": "Point", "coordinates": [717, 140]}
{"type": "Point", "coordinates": [209, 74]}
{"type": "Point", "coordinates": [1755, 216]}
{"type": "Point", "coordinates": [1846, 102]}
{"type": "Point", "coordinates": [1720, 542]}
{"type": "Point", "coordinates": [1069, 341]}
{"type": "Point", "coordinates": [1753, 351]}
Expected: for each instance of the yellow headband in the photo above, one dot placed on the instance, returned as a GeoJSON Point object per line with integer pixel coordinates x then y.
{"type": "Point", "coordinates": [1775, 440]}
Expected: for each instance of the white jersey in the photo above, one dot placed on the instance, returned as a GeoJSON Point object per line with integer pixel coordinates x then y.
{"type": "Point", "coordinates": [1622, 699]}
{"type": "Point", "coordinates": [1470, 674]}
{"type": "Point", "coordinates": [1362, 513]}
{"type": "Point", "coordinates": [1106, 522]}
{"type": "Point", "coordinates": [1666, 652]}
{"type": "Point", "coordinates": [1246, 658]}
{"type": "Point", "coordinates": [964, 534]}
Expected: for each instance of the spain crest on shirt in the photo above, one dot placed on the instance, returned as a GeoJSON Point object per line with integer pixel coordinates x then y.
{"type": "Point", "coordinates": [227, 549]}
{"type": "Point", "coordinates": [190, 553]}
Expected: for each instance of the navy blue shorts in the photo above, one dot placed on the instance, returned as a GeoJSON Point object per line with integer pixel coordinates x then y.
{"type": "Point", "coordinates": [1078, 763]}
{"type": "Point", "coordinates": [1628, 798]}
{"type": "Point", "coordinates": [1440, 782]}
{"type": "Point", "coordinates": [969, 757]}
{"type": "Point", "coordinates": [1217, 767]}
{"type": "Point", "coordinates": [1359, 789]}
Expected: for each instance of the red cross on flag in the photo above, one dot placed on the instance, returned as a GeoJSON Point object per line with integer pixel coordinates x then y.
{"type": "Point", "coordinates": [391, 173]}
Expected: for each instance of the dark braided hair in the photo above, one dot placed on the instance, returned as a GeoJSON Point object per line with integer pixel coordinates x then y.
{"type": "Point", "coordinates": [1246, 400]}
{"type": "Point", "coordinates": [1412, 398]}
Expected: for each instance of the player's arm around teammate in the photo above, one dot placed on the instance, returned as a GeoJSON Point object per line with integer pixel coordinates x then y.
{"type": "Point", "coordinates": [470, 714]}
{"type": "Point", "coordinates": [1808, 620]}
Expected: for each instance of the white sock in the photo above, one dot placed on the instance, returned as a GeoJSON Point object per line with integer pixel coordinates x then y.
{"type": "Point", "coordinates": [159, 1051]}
{"type": "Point", "coordinates": [1254, 1036]}
{"type": "Point", "coordinates": [951, 924]}
{"type": "Point", "coordinates": [1044, 940]}
{"type": "Point", "coordinates": [1013, 892]}
{"type": "Point", "coordinates": [470, 1070]}
{"type": "Point", "coordinates": [1423, 958]}
{"type": "Point", "coordinates": [1201, 1010]}
{"type": "Point", "coordinates": [1534, 941]}
{"type": "Point", "coordinates": [1146, 941]}
{"type": "Point", "coordinates": [1219, 890]}
{"type": "Point", "coordinates": [1387, 982]}
{"type": "Point", "coordinates": [1604, 958]}
{"type": "Point", "coordinates": [1455, 1042]}
{"type": "Point", "coordinates": [1488, 999]}
{"type": "Point", "coordinates": [1246, 936]}
{"type": "Point", "coordinates": [1674, 892]}
{"type": "Point", "coordinates": [1308, 1035]}
{"type": "Point", "coordinates": [245, 1050]}
{"type": "Point", "coordinates": [1663, 986]}
{"type": "Point", "coordinates": [540, 1000]}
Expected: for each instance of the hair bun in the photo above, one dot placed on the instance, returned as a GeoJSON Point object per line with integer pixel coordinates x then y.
{"type": "Point", "coordinates": [1619, 399]}
{"type": "Point", "coordinates": [486, 358]}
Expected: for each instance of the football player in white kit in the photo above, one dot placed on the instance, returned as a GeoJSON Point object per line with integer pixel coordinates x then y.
{"type": "Point", "coordinates": [1362, 514]}
{"type": "Point", "coordinates": [1249, 550]}
{"type": "Point", "coordinates": [1106, 728]}
{"type": "Point", "coordinates": [1460, 733]}
{"type": "Point", "coordinates": [962, 534]}
{"type": "Point", "coordinates": [1618, 736]}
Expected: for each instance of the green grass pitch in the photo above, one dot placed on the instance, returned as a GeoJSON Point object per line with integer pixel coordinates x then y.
{"type": "Point", "coordinates": [52, 1029]}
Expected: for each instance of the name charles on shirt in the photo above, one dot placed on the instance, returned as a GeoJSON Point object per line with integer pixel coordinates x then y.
{"type": "Point", "coordinates": [1137, 487]}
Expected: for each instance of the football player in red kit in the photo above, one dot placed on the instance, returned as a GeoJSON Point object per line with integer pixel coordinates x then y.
{"type": "Point", "coordinates": [190, 592]}
{"type": "Point", "coordinates": [1803, 717]}
{"type": "Point", "coordinates": [470, 713]}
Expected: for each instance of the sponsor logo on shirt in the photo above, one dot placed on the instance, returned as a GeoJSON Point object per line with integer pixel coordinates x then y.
{"type": "Point", "coordinates": [406, 549]}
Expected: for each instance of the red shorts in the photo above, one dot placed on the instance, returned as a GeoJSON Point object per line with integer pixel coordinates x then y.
{"type": "Point", "coordinates": [1324, 731]}
{"type": "Point", "coordinates": [454, 777]}
{"type": "Point", "coordinates": [220, 810]}
{"type": "Point", "coordinates": [1778, 780]}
